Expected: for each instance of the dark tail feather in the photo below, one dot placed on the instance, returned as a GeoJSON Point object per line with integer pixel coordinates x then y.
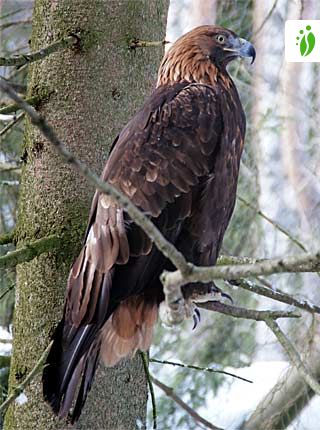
{"type": "Point", "coordinates": [66, 367]}
{"type": "Point", "coordinates": [50, 382]}
{"type": "Point", "coordinates": [73, 359]}
{"type": "Point", "coordinates": [90, 365]}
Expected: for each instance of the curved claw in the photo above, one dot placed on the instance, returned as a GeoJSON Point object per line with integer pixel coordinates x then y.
{"type": "Point", "coordinates": [227, 297]}
{"type": "Point", "coordinates": [196, 318]}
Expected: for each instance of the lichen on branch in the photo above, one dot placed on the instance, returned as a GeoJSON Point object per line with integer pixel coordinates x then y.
{"type": "Point", "coordinates": [22, 59]}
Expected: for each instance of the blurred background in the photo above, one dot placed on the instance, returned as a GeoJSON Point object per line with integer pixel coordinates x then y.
{"type": "Point", "coordinates": [277, 213]}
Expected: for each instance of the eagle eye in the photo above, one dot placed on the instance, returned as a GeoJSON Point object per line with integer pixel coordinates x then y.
{"type": "Point", "coordinates": [220, 38]}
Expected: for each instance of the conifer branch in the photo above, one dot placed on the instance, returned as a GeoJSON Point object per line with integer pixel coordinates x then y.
{"type": "Point", "coordinates": [22, 59]}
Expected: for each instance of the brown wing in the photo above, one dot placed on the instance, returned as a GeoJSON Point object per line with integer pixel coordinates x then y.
{"type": "Point", "coordinates": [158, 159]}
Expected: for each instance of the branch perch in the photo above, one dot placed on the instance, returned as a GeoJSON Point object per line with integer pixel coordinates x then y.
{"type": "Point", "coordinates": [275, 294]}
{"type": "Point", "coordinates": [238, 312]}
{"type": "Point", "coordinates": [186, 272]}
{"type": "Point", "coordinates": [137, 43]}
{"type": "Point", "coordinates": [32, 101]}
{"type": "Point", "coordinates": [29, 251]}
{"type": "Point", "coordinates": [20, 60]}
{"type": "Point", "coordinates": [7, 238]}
{"type": "Point", "coordinates": [19, 389]}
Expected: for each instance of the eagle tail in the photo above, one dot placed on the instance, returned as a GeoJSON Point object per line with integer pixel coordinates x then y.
{"type": "Point", "coordinates": [69, 369]}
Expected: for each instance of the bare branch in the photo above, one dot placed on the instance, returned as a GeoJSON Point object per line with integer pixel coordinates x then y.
{"type": "Point", "coordinates": [137, 43]}
{"type": "Point", "coordinates": [173, 281]}
{"type": "Point", "coordinates": [11, 124]}
{"type": "Point", "coordinates": [7, 341]}
{"type": "Point", "coordinates": [20, 60]}
{"type": "Point", "coordinates": [15, 23]}
{"type": "Point", "coordinates": [6, 291]}
{"type": "Point", "coordinates": [294, 356]}
{"type": "Point", "coordinates": [144, 357]}
{"type": "Point", "coordinates": [9, 167]}
{"type": "Point", "coordinates": [274, 223]}
{"type": "Point", "coordinates": [275, 294]}
{"type": "Point", "coordinates": [32, 101]}
{"type": "Point", "coordinates": [266, 18]}
{"type": "Point", "coordinates": [201, 369]}
{"type": "Point", "coordinates": [7, 238]}
{"type": "Point", "coordinates": [29, 251]}
{"type": "Point", "coordinates": [291, 264]}
{"type": "Point", "coordinates": [238, 312]}
{"type": "Point", "coordinates": [170, 393]}
{"type": "Point", "coordinates": [14, 12]}
{"type": "Point", "coordinates": [5, 361]}
{"type": "Point", "coordinates": [19, 389]}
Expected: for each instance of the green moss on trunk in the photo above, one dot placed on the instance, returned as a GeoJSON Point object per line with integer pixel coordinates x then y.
{"type": "Point", "coordinates": [89, 96]}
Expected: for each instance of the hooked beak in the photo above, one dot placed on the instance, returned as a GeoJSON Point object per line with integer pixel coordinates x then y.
{"type": "Point", "coordinates": [241, 48]}
{"type": "Point", "coordinates": [247, 49]}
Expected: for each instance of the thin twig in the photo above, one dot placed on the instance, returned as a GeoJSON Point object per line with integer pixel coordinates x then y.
{"type": "Point", "coordinates": [15, 23]}
{"type": "Point", "coordinates": [20, 60]}
{"type": "Point", "coordinates": [20, 88]}
{"type": "Point", "coordinates": [29, 251]}
{"type": "Point", "coordinates": [10, 183]}
{"type": "Point", "coordinates": [201, 369]}
{"type": "Point", "coordinates": [20, 388]}
{"type": "Point", "coordinates": [6, 291]}
{"type": "Point", "coordinates": [11, 13]}
{"type": "Point", "coordinates": [9, 167]}
{"type": "Point", "coordinates": [274, 223]}
{"type": "Point", "coordinates": [275, 294]}
{"type": "Point", "coordinates": [294, 356]}
{"type": "Point", "coordinates": [7, 238]}
{"type": "Point", "coordinates": [266, 18]}
{"type": "Point", "coordinates": [137, 43]}
{"type": "Point", "coordinates": [7, 341]}
{"type": "Point", "coordinates": [144, 357]}
{"type": "Point", "coordinates": [32, 101]}
{"type": "Point", "coordinates": [12, 123]}
{"type": "Point", "coordinates": [238, 312]}
{"type": "Point", "coordinates": [170, 393]}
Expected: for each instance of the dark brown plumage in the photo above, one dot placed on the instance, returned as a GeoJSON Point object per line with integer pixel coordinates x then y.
{"type": "Point", "coordinates": [178, 160]}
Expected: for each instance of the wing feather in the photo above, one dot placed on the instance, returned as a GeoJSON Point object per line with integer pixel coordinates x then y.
{"type": "Point", "coordinates": [157, 160]}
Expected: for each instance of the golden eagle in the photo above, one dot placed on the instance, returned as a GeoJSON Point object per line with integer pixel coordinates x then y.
{"type": "Point", "coordinates": [178, 161]}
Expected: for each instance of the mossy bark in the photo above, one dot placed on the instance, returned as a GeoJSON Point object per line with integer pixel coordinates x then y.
{"type": "Point", "coordinates": [87, 94]}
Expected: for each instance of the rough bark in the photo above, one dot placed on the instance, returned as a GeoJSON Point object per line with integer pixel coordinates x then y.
{"type": "Point", "coordinates": [88, 95]}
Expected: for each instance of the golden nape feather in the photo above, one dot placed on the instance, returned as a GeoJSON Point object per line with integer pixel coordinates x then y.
{"type": "Point", "coordinates": [178, 161]}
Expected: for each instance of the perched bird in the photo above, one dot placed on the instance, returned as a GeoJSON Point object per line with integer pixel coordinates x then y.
{"type": "Point", "coordinates": [178, 161]}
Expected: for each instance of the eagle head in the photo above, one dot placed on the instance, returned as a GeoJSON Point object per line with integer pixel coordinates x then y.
{"type": "Point", "coordinates": [202, 53]}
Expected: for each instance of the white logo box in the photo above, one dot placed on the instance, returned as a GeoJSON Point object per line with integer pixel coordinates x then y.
{"type": "Point", "coordinates": [297, 32]}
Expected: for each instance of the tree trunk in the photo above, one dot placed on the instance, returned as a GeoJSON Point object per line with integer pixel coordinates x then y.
{"type": "Point", "coordinates": [87, 95]}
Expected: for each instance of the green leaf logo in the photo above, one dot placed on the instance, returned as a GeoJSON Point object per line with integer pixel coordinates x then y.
{"type": "Point", "coordinates": [307, 42]}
